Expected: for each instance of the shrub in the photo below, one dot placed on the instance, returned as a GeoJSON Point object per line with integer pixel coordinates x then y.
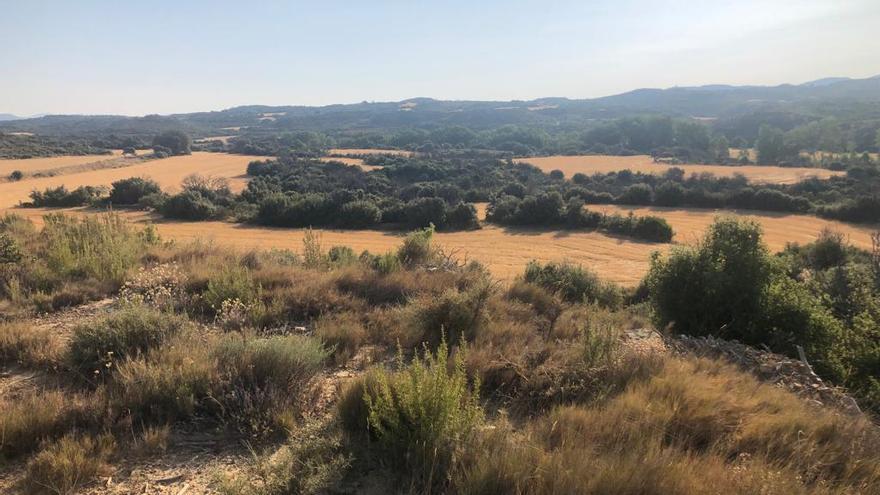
{"type": "Point", "coordinates": [543, 302]}
{"type": "Point", "coordinates": [97, 347]}
{"type": "Point", "coordinates": [16, 175]}
{"type": "Point", "coordinates": [669, 194]}
{"type": "Point", "coordinates": [359, 214]}
{"type": "Point", "coordinates": [716, 287]}
{"type": "Point", "coordinates": [462, 216]}
{"type": "Point", "coordinates": [342, 334]}
{"type": "Point", "coordinates": [341, 256]}
{"type": "Point", "coordinates": [416, 248]}
{"type": "Point", "coordinates": [636, 194]}
{"type": "Point", "coordinates": [176, 142]}
{"type": "Point", "coordinates": [131, 191]}
{"type": "Point", "coordinates": [68, 464]}
{"type": "Point", "coordinates": [454, 313]}
{"type": "Point", "coordinates": [231, 283]}
{"type": "Point", "coordinates": [190, 205]}
{"type": "Point", "coordinates": [60, 197]}
{"type": "Point", "coordinates": [10, 252]}
{"type": "Point", "coordinates": [425, 212]}
{"type": "Point", "coordinates": [422, 414]}
{"type": "Point", "coordinates": [573, 283]}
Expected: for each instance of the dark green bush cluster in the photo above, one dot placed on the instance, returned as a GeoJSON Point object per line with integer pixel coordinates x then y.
{"type": "Point", "coordinates": [130, 191]}
{"type": "Point", "coordinates": [202, 198]}
{"type": "Point", "coordinates": [548, 209]}
{"type": "Point", "coordinates": [730, 286]}
{"type": "Point", "coordinates": [60, 197]}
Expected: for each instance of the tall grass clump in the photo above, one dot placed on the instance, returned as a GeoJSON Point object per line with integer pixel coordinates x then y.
{"type": "Point", "coordinates": [29, 346]}
{"type": "Point", "coordinates": [573, 283]}
{"type": "Point", "coordinates": [456, 313]}
{"type": "Point", "coordinates": [31, 418]}
{"type": "Point", "coordinates": [422, 414]}
{"type": "Point", "coordinates": [170, 385]}
{"type": "Point", "coordinates": [262, 379]}
{"type": "Point", "coordinates": [72, 462]}
{"type": "Point", "coordinates": [96, 347]}
{"type": "Point", "coordinates": [102, 247]}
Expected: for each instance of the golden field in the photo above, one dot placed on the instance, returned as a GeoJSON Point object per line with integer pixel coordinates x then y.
{"type": "Point", "coordinates": [368, 151]}
{"type": "Point", "coordinates": [168, 172]}
{"type": "Point", "coordinates": [505, 251]}
{"type": "Point", "coordinates": [33, 165]}
{"type": "Point", "coordinates": [591, 164]}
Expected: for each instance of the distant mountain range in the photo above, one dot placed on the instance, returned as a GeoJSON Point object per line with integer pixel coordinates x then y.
{"type": "Point", "coordinates": [787, 104]}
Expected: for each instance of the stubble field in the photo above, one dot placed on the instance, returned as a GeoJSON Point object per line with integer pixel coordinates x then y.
{"type": "Point", "coordinates": [591, 164]}
{"type": "Point", "coordinates": [504, 250]}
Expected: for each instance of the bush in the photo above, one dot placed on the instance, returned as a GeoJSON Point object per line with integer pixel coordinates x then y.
{"type": "Point", "coordinates": [342, 334]}
{"type": "Point", "coordinates": [715, 288]}
{"type": "Point", "coordinates": [10, 252]}
{"type": "Point", "coordinates": [16, 175]}
{"type": "Point", "coordinates": [425, 212]}
{"type": "Point", "coordinates": [573, 283]}
{"type": "Point", "coordinates": [60, 197]}
{"type": "Point", "coordinates": [416, 248]}
{"type": "Point", "coordinates": [462, 216]}
{"type": "Point", "coordinates": [68, 464]}
{"type": "Point", "coordinates": [96, 348]}
{"type": "Point", "coordinates": [190, 205]}
{"type": "Point", "coordinates": [231, 283]}
{"type": "Point", "coordinates": [175, 142]}
{"type": "Point", "coordinates": [455, 313]}
{"type": "Point", "coordinates": [359, 214]}
{"type": "Point", "coordinates": [669, 194]}
{"type": "Point", "coordinates": [131, 191]}
{"type": "Point", "coordinates": [422, 415]}
{"type": "Point", "coordinates": [636, 194]}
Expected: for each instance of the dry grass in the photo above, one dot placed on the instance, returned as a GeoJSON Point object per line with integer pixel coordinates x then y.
{"type": "Point", "coordinates": [696, 426]}
{"type": "Point", "coordinates": [68, 464]}
{"type": "Point", "coordinates": [591, 164]}
{"type": "Point", "coordinates": [29, 346]}
{"type": "Point", "coordinates": [30, 166]}
{"type": "Point", "coordinates": [505, 251]}
{"type": "Point", "coordinates": [168, 172]}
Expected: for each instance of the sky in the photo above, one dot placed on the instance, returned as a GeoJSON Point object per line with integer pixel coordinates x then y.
{"type": "Point", "coordinates": [158, 56]}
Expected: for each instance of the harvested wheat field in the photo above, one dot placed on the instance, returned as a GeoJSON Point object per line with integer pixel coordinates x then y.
{"type": "Point", "coordinates": [350, 161]}
{"type": "Point", "coordinates": [591, 164]}
{"type": "Point", "coordinates": [368, 151]}
{"type": "Point", "coordinates": [168, 172]}
{"type": "Point", "coordinates": [31, 166]}
{"type": "Point", "coordinates": [779, 228]}
{"type": "Point", "coordinates": [505, 251]}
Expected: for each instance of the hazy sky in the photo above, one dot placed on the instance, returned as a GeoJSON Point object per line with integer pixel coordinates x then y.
{"type": "Point", "coordinates": [137, 57]}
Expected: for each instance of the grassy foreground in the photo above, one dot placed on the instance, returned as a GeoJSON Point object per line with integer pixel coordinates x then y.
{"type": "Point", "coordinates": [454, 383]}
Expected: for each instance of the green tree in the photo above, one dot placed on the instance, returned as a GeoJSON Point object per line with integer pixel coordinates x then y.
{"type": "Point", "coordinates": [178, 142]}
{"type": "Point", "coordinates": [770, 145]}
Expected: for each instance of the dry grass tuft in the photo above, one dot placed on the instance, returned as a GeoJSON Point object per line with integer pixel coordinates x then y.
{"type": "Point", "coordinates": [68, 464]}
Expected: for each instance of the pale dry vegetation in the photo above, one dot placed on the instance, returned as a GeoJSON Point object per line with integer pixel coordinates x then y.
{"type": "Point", "coordinates": [396, 371]}
{"type": "Point", "coordinates": [591, 164]}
